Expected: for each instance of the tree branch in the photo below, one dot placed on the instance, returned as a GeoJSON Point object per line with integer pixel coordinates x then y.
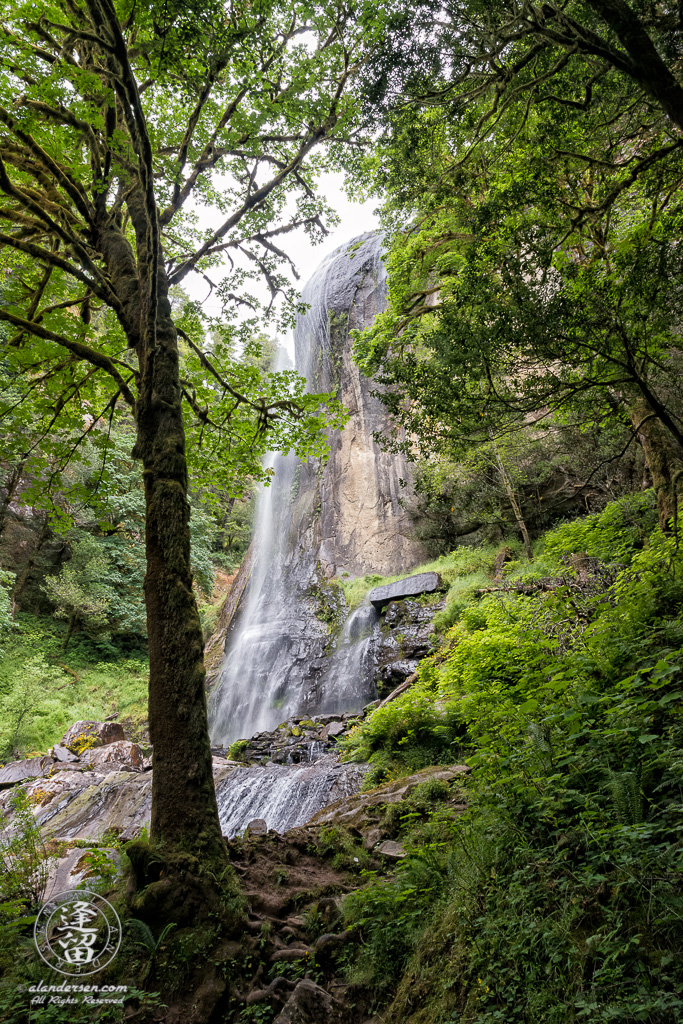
{"type": "Point", "coordinates": [84, 352]}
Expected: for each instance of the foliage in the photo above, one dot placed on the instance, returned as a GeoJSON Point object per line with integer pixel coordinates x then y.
{"type": "Point", "coordinates": [237, 749]}
{"type": "Point", "coordinates": [614, 535]}
{"type": "Point", "coordinates": [101, 871]}
{"type": "Point", "coordinates": [6, 584]}
{"type": "Point", "coordinates": [40, 696]}
{"type": "Point", "coordinates": [79, 333]}
{"type": "Point", "coordinates": [557, 471]}
{"type": "Point", "coordinates": [24, 861]}
{"type": "Point", "coordinates": [80, 592]}
{"type": "Point", "coordinates": [26, 699]}
{"type": "Point", "coordinates": [347, 853]}
{"type": "Point", "coordinates": [557, 895]}
{"type": "Point", "coordinates": [534, 219]}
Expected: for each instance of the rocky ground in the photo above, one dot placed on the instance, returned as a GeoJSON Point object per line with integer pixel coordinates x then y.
{"type": "Point", "coordinates": [294, 957]}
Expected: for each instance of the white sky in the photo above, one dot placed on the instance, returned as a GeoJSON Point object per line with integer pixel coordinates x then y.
{"type": "Point", "coordinates": [355, 219]}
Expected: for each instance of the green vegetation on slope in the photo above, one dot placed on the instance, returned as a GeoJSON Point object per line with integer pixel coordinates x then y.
{"type": "Point", "coordinates": [557, 897]}
{"type": "Point", "coordinates": [43, 690]}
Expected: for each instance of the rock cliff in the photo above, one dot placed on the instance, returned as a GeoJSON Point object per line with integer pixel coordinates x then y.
{"type": "Point", "coordinates": [290, 648]}
{"type": "Point", "coordinates": [362, 526]}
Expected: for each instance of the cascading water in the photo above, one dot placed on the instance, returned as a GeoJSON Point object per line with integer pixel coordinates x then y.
{"type": "Point", "coordinates": [284, 796]}
{"type": "Point", "coordinates": [261, 682]}
{"type": "Point", "coordinates": [285, 652]}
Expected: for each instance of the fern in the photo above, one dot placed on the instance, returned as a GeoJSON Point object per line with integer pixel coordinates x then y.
{"type": "Point", "coordinates": [627, 796]}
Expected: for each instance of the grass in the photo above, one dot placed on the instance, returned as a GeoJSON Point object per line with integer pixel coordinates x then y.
{"type": "Point", "coordinates": [44, 689]}
{"type": "Point", "coordinates": [462, 562]}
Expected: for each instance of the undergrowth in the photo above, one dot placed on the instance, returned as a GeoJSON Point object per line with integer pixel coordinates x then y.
{"type": "Point", "coordinates": [558, 896]}
{"type": "Point", "coordinates": [43, 689]}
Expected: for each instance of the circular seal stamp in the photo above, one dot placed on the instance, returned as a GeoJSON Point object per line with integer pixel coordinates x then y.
{"type": "Point", "coordinates": [77, 932]}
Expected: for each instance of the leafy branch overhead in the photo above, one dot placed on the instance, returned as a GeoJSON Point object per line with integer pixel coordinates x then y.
{"type": "Point", "coordinates": [116, 152]}
{"type": "Point", "coordinates": [531, 162]}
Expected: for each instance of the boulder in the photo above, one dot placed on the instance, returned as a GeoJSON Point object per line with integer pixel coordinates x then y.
{"type": "Point", "coordinates": [392, 850]}
{"type": "Point", "coordinates": [257, 827]}
{"type": "Point", "coordinates": [411, 586]}
{"type": "Point", "coordinates": [62, 753]}
{"type": "Point", "coordinates": [31, 768]}
{"type": "Point", "coordinates": [311, 1004]}
{"type": "Point", "coordinates": [397, 671]}
{"type": "Point", "coordinates": [122, 752]}
{"type": "Point", "coordinates": [86, 735]}
{"type": "Point", "coordinates": [332, 730]}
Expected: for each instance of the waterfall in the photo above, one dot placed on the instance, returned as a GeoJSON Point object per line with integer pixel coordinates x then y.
{"type": "Point", "coordinates": [284, 796]}
{"type": "Point", "coordinates": [292, 649]}
{"type": "Point", "coordinates": [261, 682]}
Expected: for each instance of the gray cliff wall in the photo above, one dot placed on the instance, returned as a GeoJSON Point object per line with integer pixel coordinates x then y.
{"type": "Point", "coordinates": [362, 527]}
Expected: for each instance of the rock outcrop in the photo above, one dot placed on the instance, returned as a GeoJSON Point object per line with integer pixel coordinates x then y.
{"type": "Point", "coordinates": [410, 586]}
{"type": "Point", "coordinates": [84, 735]}
{"type": "Point", "coordinates": [363, 527]}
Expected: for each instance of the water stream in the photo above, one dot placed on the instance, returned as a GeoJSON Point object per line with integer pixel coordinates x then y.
{"type": "Point", "coordinates": [285, 796]}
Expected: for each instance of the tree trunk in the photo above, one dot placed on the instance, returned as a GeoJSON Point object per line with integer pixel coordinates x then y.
{"type": "Point", "coordinates": [70, 629]}
{"type": "Point", "coordinates": [184, 810]}
{"type": "Point", "coordinates": [12, 483]}
{"type": "Point", "coordinates": [663, 460]}
{"type": "Point", "coordinates": [515, 505]}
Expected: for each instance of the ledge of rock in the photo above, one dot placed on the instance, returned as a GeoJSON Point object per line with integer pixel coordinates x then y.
{"type": "Point", "coordinates": [411, 586]}
{"type": "Point", "coordinates": [18, 771]}
{"type": "Point", "coordinates": [361, 809]}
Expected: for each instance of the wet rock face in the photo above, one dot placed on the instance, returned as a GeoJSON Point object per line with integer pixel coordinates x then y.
{"type": "Point", "coordinates": [407, 632]}
{"type": "Point", "coordinates": [296, 741]}
{"type": "Point", "coordinates": [362, 525]}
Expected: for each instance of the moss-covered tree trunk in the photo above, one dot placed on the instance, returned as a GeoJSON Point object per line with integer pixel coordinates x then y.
{"type": "Point", "coordinates": [664, 459]}
{"type": "Point", "coordinates": [184, 811]}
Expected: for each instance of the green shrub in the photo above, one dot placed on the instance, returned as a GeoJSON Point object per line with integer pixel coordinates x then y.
{"type": "Point", "coordinates": [556, 897]}
{"type": "Point", "coordinates": [613, 535]}
{"type": "Point", "coordinates": [24, 861]}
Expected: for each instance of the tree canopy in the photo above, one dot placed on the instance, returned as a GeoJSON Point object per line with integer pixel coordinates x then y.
{"type": "Point", "coordinates": [539, 176]}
